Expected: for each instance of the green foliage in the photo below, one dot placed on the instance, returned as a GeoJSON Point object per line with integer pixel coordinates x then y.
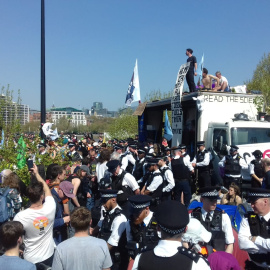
{"type": "Point", "coordinates": [125, 126]}
{"type": "Point", "coordinates": [261, 80]}
{"type": "Point", "coordinates": [157, 95]}
{"type": "Point", "coordinates": [259, 102]}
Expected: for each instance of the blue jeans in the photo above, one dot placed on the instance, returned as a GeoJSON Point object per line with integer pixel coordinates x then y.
{"type": "Point", "coordinates": [90, 202]}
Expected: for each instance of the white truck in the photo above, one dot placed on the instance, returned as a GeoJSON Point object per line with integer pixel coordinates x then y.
{"type": "Point", "coordinates": [211, 117]}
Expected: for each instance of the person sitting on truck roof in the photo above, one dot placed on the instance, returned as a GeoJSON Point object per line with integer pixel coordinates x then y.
{"type": "Point", "coordinates": [207, 80]}
{"type": "Point", "coordinates": [233, 165]}
{"type": "Point", "coordinates": [223, 84]}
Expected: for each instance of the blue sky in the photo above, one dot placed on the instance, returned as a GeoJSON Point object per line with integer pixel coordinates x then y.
{"type": "Point", "coordinates": [91, 46]}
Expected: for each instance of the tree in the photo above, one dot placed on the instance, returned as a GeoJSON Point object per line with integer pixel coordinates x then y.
{"type": "Point", "coordinates": [157, 95]}
{"type": "Point", "coordinates": [124, 126]}
{"type": "Point", "coordinates": [261, 80]}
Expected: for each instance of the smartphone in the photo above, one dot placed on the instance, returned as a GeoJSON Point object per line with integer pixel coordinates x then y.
{"type": "Point", "coordinates": [30, 164]}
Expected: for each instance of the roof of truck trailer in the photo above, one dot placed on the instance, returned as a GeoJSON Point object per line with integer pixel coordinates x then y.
{"type": "Point", "coordinates": [189, 97]}
{"type": "Point", "coordinates": [239, 124]}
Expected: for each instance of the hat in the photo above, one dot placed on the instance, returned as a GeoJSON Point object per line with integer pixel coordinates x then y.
{"type": "Point", "coordinates": [107, 194]}
{"type": "Point", "coordinates": [132, 145]}
{"type": "Point", "coordinates": [67, 188]}
{"type": "Point", "coordinates": [104, 183]}
{"type": "Point", "coordinates": [196, 232]}
{"type": "Point", "coordinates": [172, 217]}
{"type": "Point", "coordinates": [95, 144]}
{"type": "Point", "coordinates": [141, 150]}
{"type": "Point", "coordinates": [112, 165]}
{"type": "Point", "coordinates": [257, 193]}
{"type": "Point", "coordinates": [85, 169]}
{"type": "Point", "coordinates": [71, 144]}
{"type": "Point", "coordinates": [42, 145]}
{"type": "Point", "coordinates": [200, 143]}
{"type": "Point", "coordinates": [234, 148]}
{"type": "Point", "coordinates": [257, 153]}
{"type": "Point", "coordinates": [151, 161]}
{"type": "Point", "coordinates": [181, 146]}
{"type": "Point", "coordinates": [118, 146]}
{"type": "Point", "coordinates": [209, 192]}
{"type": "Point", "coordinates": [65, 141]}
{"type": "Point", "coordinates": [139, 202]}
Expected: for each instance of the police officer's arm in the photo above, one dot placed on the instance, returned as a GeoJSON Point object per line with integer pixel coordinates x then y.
{"type": "Point", "coordinates": [117, 228]}
{"type": "Point", "coordinates": [252, 173]}
{"type": "Point", "coordinates": [229, 248]}
{"type": "Point", "coordinates": [188, 163]}
{"type": "Point", "coordinates": [244, 238]}
{"type": "Point", "coordinates": [227, 229]}
{"type": "Point", "coordinates": [154, 185]}
{"type": "Point", "coordinates": [132, 183]}
{"type": "Point", "coordinates": [46, 189]}
{"type": "Point", "coordinates": [171, 183]}
{"type": "Point", "coordinates": [205, 161]}
{"type": "Point", "coordinates": [124, 163]}
{"type": "Point", "coordinates": [243, 163]}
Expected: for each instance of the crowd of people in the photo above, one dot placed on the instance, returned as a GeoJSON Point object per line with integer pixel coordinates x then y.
{"type": "Point", "coordinates": [107, 204]}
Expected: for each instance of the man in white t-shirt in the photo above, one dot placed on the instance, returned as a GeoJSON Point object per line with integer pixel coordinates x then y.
{"type": "Point", "coordinates": [223, 85]}
{"type": "Point", "coordinates": [38, 222]}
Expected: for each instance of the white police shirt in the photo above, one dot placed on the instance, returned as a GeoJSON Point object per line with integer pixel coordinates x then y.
{"type": "Point", "coordinates": [117, 228]}
{"type": "Point", "coordinates": [168, 175]}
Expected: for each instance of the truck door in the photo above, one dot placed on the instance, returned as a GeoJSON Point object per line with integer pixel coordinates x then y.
{"type": "Point", "coordinates": [220, 142]}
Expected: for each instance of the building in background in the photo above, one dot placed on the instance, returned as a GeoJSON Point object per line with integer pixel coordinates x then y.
{"type": "Point", "coordinates": [11, 110]}
{"type": "Point", "coordinates": [76, 117]}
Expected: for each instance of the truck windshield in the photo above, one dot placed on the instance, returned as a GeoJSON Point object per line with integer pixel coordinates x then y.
{"type": "Point", "coordinates": [250, 135]}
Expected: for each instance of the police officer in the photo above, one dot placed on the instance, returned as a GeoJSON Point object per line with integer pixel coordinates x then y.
{"type": "Point", "coordinates": [233, 164]}
{"type": "Point", "coordinates": [254, 233]}
{"type": "Point", "coordinates": [172, 218]}
{"type": "Point", "coordinates": [124, 182]}
{"type": "Point", "coordinates": [130, 155]}
{"type": "Point", "coordinates": [256, 170]}
{"type": "Point", "coordinates": [168, 179]}
{"type": "Point", "coordinates": [118, 148]}
{"type": "Point", "coordinates": [112, 227]}
{"type": "Point", "coordinates": [141, 228]}
{"type": "Point", "coordinates": [214, 220]}
{"type": "Point", "coordinates": [73, 155]}
{"type": "Point", "coordinates": [202, 162]}
{"type": "Point", "coordinates": [139, 168]}
{"type": "Point", "coordinates": [154, 184]}
{"type": "Point", "coordinates": [182, 169]}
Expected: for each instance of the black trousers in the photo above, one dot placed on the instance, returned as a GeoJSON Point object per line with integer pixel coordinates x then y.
{"type": "Point", "coordinates": [204, 179]}
{"type": "Point", "coordinates": [190, 82]}
{"type": "Point", "coordinates": [228, 180]}
{"type": "Point", "coordinates": [182, 186]}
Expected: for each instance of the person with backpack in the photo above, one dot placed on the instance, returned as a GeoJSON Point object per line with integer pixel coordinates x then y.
{"type": "Point", "coordinates": [10, 199]}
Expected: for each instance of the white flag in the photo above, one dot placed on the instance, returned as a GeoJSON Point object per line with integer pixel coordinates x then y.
{"type": "Point", "coordinates": [134, 93]}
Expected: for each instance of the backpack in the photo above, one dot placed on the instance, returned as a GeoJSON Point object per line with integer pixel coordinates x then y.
{"type": "Point", "coordinates": [3, 204]}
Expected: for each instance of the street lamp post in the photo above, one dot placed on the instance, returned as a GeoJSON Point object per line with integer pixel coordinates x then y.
{"type": "Point", "coordinates": [42, 81]}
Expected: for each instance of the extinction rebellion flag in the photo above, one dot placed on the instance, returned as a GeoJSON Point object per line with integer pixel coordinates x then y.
{"type": "Point", "coordinates": [133, 93]}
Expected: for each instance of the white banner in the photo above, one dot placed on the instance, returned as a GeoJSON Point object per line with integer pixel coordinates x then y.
{"type": "Point", "coordinates": [177, 113]}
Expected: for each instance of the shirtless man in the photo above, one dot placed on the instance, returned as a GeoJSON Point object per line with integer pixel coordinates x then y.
{"type": "Point", "coordinates": [207, 80]}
